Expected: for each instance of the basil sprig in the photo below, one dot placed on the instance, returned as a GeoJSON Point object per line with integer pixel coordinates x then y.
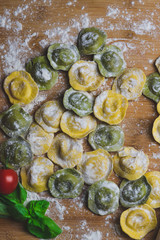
{"type": "Point", "coordinates": [38, 224]}
{"type": "Point", "coordinates": [18, 196]}
{"type": "Point", "coordinates": [3, 210]}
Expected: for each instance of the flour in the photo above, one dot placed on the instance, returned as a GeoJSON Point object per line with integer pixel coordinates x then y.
{"type": "Point", "coordinates": [124, 46]}
{"type": "Point", "coordinates": [100, 20]}
{"type": "Point", "coordinates": [11, 59]}
{"type": "Point", "coordinates": [150, 61]}
{"type": "Point", "coordinates": [43, 43]}
{"type": "Point", "coordinates": [141, 2]}
{"type": "Point", "coordinates": [20, 10]}
{"type": "Point", "coordinates": [69, 3]}
{"type": "Point", "coordinates": [65, 33]}
{"type": "Point", "coordinates": [97, 235]}
{"type": "Point", "coordinates": [156, 155]}
{"type": "Point", "coordinates": [112, 12]}
{"type": "Point", "coordinates": [107, 219]}
{"type": "Point", "coordinates": [143, 27]}
{"type": "Point", "coordinates": [44, 74]}
{"type": "Point", "coordinates": [7, 22]}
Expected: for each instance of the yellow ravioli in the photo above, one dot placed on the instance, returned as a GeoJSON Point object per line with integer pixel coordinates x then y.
{"type": "Point", "coordinates": [130, 163]}
{"type": "Point", "coordinates": [110, 107]}
{"type": "Point", "coordinates": [154, 180]}
{"type": "Point", "coordinates": [95, 165]}
{"type": "Point", "coordinates": [20, 87]}
{"type": "Point", "coordinates": [156, 129]}
{"type": "Point", "coordinates": [77, 127]}
{"type": "Point", "coordinates": [130, 83]}
{"type": "Point", "coordinates": [158, 107]}
{"type": "Point", "coordinates": [39, 140]}
{"type": "Point", "coordinates": [84, 75]}
{"type": "Point", "coordinates": [35, 176]}
{"type": "Point", "coordinates": [65, 151]}
{"type": "Point", "coordinates": [138, 221]}
{"type": "Point", "coordinates": [48, 116]}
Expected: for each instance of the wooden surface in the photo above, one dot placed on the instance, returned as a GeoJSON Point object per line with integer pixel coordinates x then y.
{"type": "Point", "coordinates": [27, 28]}
{"type": "Point", "coordinates": [158, 235]}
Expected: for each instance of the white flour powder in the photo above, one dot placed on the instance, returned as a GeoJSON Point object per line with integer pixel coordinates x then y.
{"type": "Point", "coordinates": [97, 235]}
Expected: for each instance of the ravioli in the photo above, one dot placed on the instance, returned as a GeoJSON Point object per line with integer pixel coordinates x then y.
{"type": "Point", "coordinates": [35, 176]}
{"type": "Point", "coordinates": [85, 76]}
{"type": "Point", "coordinates": [108, 137]}
{"type": "Point", "coordinates": [157, 64]}
{"type": "Point", "coordinates": [39, 140]}
{"type": "Point", "coordinates": [130, 163]}
{"type": "Point", "coordinates": [96, 165]}
{"type": "Point", "coordinates": [15, 121]}
{"type": "Point", "coordinates": [110, 61]}
{"type": "Point", "coordinates": [80, 102]}
{"type": "Point", "coordinates": [66, 183]}
{"type": "Point", "coordinates": [77, 127]}
{"type": "Point", "coordinates": [20, 87]}
{"type": "Point", "coordinates": [91, 40]}
{"type": "Point", "coordinates": [42, 73]}
{"type": "Point", "coordinates": [61, 56]}
{"type": "Point", "coordinates": [156, 129]}
{"type": "Point", "coordinates": [65, 151]}
{"type": "Point", "coordinates": [110, 107]}
{"type": "Point", "coordinates": [151, 87]}
{"type": "Point", "coordinates": [134, 192]}
{"type": "Point", "coordinates": [153, 178]}
{"type": "Point", "coordinates": [15, 152]}
{"type": "Point", "coordinates": [103, 197]}
{"type": "Point", "coordinates": [130, 83]}
{"type": "Point", "coordinates": [48, 116]}
{"type": "Point", "coordinates": [137, 221]}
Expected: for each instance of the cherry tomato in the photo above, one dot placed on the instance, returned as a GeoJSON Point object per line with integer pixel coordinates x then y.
{"type": "Point", "coordinates": [8, 181]}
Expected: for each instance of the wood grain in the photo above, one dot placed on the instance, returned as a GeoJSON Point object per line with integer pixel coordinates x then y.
{"type": "Point", "coordinates": [141, 49]}
{"type": "Point", "coordinates": [158, 235]}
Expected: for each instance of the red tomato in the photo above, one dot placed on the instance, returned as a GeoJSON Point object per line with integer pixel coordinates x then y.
{"type": "Point", "coordinates": [8, 181]}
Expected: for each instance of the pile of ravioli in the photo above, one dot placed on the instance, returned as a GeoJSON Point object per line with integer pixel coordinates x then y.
{"type": "Point", "coordinates": [54, 135]}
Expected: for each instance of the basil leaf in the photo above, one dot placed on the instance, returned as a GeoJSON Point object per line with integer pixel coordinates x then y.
{"type": "Point", "coordinates": [43, 227]}
{"type": "Point", "coordinates": [18, 196]}
{"type": "Point", "coordinates": [37, 206]}
{"type": "Point", "coordinates": [18, 212]}
{"type": "Point", "coordinates": [3, 210]}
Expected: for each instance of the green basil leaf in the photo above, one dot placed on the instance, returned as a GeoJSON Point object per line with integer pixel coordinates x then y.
{"type": "Point", "coordinates": [18, 196]}
{"type": "Point", "coordinates": [3, 210]}
{"type": "Point", "coordinates": [18, 212]}
{"type": "Point", "coordinates": [37, 206]}
{"type": "Point", "coordinates": [43, 227]}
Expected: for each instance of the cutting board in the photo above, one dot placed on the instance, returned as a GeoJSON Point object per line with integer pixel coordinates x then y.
{"type": "Point", "coordinates": [27, 28]}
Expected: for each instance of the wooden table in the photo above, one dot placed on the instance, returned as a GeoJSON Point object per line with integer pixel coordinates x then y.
{"type": "Point", "coordinates": [27, 28]}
